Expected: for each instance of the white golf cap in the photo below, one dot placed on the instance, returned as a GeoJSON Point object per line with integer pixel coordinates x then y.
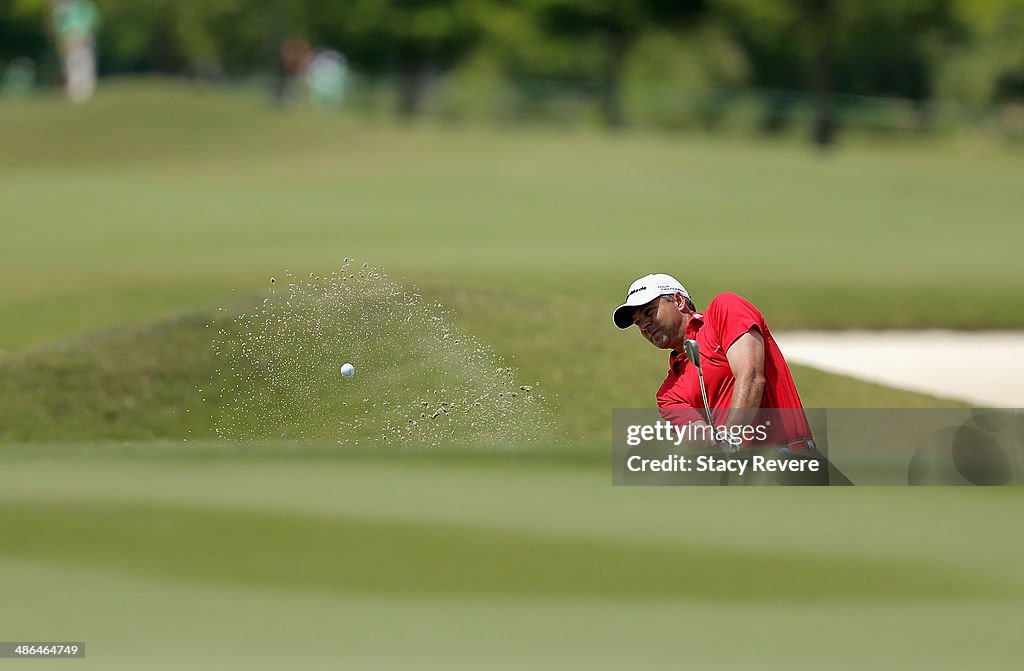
{"type": "Point", "coordinates": [643, 291]}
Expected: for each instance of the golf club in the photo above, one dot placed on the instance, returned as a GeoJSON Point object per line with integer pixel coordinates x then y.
{"type": "Point", "coordinates": [692, 352]}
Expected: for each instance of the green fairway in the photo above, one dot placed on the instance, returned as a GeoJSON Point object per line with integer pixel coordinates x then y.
{"type": "Point", "coordinates": [141, 235]}
{"type": "Point", "coordinates": [245, 557]}
{"type": "Point", "coordinates": [157, 197]}
{"type": "Point", "coordinates": [161, 202]}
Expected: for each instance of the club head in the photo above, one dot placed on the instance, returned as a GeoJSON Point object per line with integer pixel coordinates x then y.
{"type": "Point", "coordinates": [692, 352]}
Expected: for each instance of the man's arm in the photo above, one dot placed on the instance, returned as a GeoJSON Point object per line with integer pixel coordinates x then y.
{"type": "Point", "coordinates": [746, 360]}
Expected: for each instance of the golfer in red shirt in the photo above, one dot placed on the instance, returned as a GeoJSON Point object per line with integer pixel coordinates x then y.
{"type": "Point", "coordinates": [746, 378]}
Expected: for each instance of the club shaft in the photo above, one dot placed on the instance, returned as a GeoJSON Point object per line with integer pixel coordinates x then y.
{"type": "Point", "coordinates": [693, 354]}
{"type": "Point", "coordinates": [704, 396]}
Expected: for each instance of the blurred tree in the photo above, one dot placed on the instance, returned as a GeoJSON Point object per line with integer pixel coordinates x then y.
{"type": "Point", "coordinates": [673, 83]}
{"type": "Point", "coordinates": [986, 68]}
{"type": "Point", "coordinates": [515, 37]}
{"type": "Point", "coordinates": [138, 37]}
{"type": "Point", "coordinates": [413, 38]}
{"type": "Point", "coordinates": [23, 29]}
{"type": "Point", "coordinates": [869, 47]}
{"type": "Point", "coordinates": [615, 26]}
{"type": "Point", "coordinates": [204, 37]}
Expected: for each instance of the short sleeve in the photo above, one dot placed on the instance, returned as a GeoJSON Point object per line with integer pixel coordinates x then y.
{"type": "Point", "coordinates": [731, 316]}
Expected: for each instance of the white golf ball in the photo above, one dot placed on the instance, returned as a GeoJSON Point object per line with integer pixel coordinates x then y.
{"type": "Point", "coordinates": [348, 370]}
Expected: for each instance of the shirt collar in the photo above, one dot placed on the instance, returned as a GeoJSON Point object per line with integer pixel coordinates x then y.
{"type": "Point", "coordinates": [675, 359]}
{"type": "Point", "coordinates": [696, 321]}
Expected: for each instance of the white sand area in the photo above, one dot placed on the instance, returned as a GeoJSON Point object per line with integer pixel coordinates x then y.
{"type": "Point", "coordinates": [982, 368]}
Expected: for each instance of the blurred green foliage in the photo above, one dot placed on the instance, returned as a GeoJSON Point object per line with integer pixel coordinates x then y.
{"type": "Point", "coordinates": [987, 69]}
{"type": "Point", "coordinates": [652, 62]}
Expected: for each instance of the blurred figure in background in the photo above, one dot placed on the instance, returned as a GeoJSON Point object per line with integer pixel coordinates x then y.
{"type": "Point", "coordinates": [295, 57]}
{"type": "Point", "coordinates": [326, 77]}
{"type": "Point", "coordinates": [19, 78]}
{"type": "Point", "coordinates": [74, 24]}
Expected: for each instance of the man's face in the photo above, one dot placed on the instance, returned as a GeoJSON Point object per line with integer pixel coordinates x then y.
{"type": "Point", "coordinates": [663, 321]}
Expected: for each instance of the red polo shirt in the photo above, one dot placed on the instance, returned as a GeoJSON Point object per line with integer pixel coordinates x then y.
{"type": "Point", "coordinates": [727, 318]}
